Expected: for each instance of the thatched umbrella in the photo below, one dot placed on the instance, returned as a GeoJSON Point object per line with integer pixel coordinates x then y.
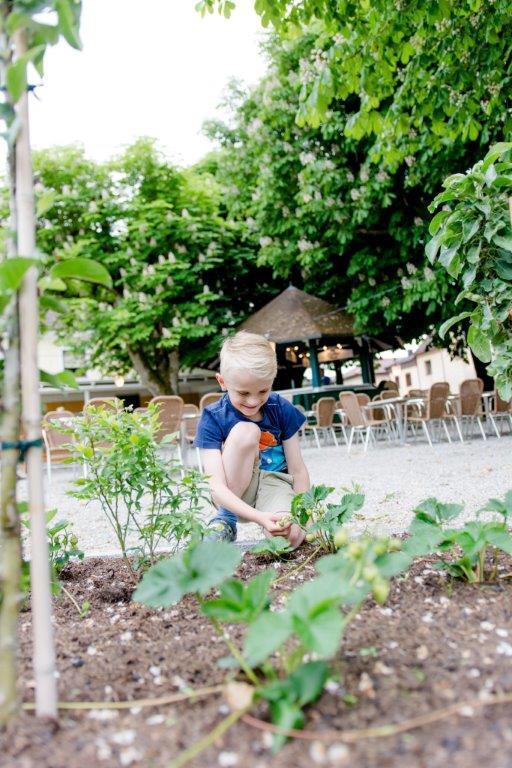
{"type": "Point", "coordinates": [295, 316]}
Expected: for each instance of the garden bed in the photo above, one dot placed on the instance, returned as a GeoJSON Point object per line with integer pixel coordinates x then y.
{"type": "Point", "coordinates": [434, 643]}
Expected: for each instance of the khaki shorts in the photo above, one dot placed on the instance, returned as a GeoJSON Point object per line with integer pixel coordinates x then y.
{"type": "Point", "coordinates": [269, 492]}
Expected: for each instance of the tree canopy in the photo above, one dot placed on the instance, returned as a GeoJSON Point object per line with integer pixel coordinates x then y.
{"type": "Point", "coordinates": [321, 210]}
{"type": "Point", "coordinates": [181, 270]}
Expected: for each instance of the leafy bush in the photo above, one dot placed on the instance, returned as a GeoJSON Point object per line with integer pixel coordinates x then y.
{"type": "Point", "coordinates": [320, 520]}
{"type": "Point", "coordinates": [463, 550]}
{"type": "Point", "coordinates": [472, 239]}
{"type": "Point", "coordinates": [139, 488]}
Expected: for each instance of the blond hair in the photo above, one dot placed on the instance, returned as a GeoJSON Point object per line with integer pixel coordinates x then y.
{"type": "Point", "coordinates": [248, 352]}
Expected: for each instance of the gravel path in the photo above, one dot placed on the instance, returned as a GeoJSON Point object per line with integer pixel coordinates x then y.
{"type": "Point", "coordinates": [394, 479]}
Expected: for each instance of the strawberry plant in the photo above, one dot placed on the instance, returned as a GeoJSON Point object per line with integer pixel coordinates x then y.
{"type": "Point", "coordinates": [277, 643]}
{"type": "Point", "coordinates": [320, 519]}
{"type": "Point", "coordinates": [463, 550]}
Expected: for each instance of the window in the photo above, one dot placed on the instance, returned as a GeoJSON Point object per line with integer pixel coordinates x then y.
{"type": "Point", "coordinates": [408, 381]}
{"type": "Point", "coordinates": [428, 367]}
{"type": "Point", "coordinates": [397, 380]}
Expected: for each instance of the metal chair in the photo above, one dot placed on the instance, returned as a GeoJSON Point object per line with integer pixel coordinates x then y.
{"type": "Point", "coordinates": [208, 399]}
{"type": "Point", "coordinates": [500, 409]}
{"type": "Point", "coordinates": [190, 419]}
{"type": "Point", "coordinates": [55, 440]}
{"type": "Point", "coordinates": [170, 408]}
{"type": "Point", "coordinates": [433, 411]}
{"type": "Point", "coordinates": [324, 409]}
{"type": "Point", "coordinates": [359, 423]}
{"type": "Point", "coordinates": [470, 404]}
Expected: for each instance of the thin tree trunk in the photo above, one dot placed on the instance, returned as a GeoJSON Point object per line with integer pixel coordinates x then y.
{"type": "Point", "coordinates": [44, 649]}
{"type": "Point", "coordinates": [10, 544]}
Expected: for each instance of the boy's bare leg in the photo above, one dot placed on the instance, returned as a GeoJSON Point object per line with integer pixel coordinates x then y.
{"type": "Point", "coordinates": [238, 455]}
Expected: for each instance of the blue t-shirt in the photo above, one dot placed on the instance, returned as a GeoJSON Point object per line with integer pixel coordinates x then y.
{"type": "Point", "coordinates": [281, 420]}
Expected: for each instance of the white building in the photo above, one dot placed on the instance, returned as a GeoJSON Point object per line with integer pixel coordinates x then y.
{"type": "Point", "coordinates": [419, 370]}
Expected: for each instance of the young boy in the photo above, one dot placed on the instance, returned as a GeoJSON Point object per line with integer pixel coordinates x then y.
{"type": "Point", "coordinates": [250, 444]}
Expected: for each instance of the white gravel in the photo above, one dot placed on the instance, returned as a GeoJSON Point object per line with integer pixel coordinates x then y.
{"type": "Point", "coordinates": [394, 479]}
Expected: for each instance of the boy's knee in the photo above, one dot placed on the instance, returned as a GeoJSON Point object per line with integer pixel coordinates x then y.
{"type": "Point", "coordinates": [245, 434]}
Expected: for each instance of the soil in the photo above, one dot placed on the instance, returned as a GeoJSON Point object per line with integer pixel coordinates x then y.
{"type": "Point", "coordinates": [434, 643]}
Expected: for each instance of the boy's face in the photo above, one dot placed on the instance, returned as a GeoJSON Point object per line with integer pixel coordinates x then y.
{"type": "Point", "coordinates": [247, 393]}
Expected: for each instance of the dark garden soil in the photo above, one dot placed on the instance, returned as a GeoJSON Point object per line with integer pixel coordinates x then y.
{"type": "Point", "coordinates": [434, 644]}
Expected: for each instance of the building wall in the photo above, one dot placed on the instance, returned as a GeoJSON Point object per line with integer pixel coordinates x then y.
{"type": "Point", "coordinates": [430, 367]}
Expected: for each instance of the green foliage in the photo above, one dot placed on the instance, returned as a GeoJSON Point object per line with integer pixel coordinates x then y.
{"type": "Point", "coordinates": [288, 697]}
{"type": "Point", "coordinates": [238, 602]}
{"type": "Point", "coordinates": [463, 550]}
{"type": "Point", "coordinates": [275, 546]}
{"type": "Point", "coordinates": [472, 239]}
{"type": "Point", "coordinates": [138, 487]}
{"type": "Point", "coordinates": [197, 569]}
{"type": "Point", "coordinates": [176, 271]}
{"type": "Point", "coordinates": [320, 520]}
{"type": "Point", "coordinates": [62, 546]}
{"type": "Point", "coordinates": [312, 621]}
{"type": "Point", "coordinates": [321, 210]}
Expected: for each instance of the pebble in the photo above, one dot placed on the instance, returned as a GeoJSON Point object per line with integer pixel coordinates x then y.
{"type": "Point", "coordinates": [129, 756]}
{"type": "Point", "coordinates": [337, 754]}
{"type": "Point", "coordinates": [422, 652]}
{"type": "Point", "coordinates": [504, 649]}
{"type": "Point", "coordinates": [487, 626]}
{"type": "Point", "coordinates": [103, 714]}
{"type": "Point", "coordinates": [227, 759]}
{"type": "Point", "coordinates": [123, 738]}
{"type": "Point", "coordinates": [502, 633]}
{"type": "Point", "coordinates": [155, 720]}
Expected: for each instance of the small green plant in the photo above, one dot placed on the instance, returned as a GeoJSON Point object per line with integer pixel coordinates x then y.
{"type": "Point", "coordinates": [322, 520]}
{"type": "Point", "coordinates": [140, 489]}
{"type": "Point", "coordinates": [464, 551]}
{"type": "Point", "coordinates": [277, 643]}
{"type": "Point", "coordinates": [275, 546]}
{"type": "Point", "coordinates": [62, 545]}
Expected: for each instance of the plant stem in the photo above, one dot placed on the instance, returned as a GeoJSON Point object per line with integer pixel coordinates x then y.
{"type": "Point", "coordinates": [379, 731]}
{"type": "Point", "coordinates": [233, 650]}
{"type": "Point", "coordinates": [68, 594]}
{"type": "Point", "coordinates": [298, 567]}
{"type": "Point", "coordinates": [196, 749]}
{"type": "Point", "coordinates": [200, 693]}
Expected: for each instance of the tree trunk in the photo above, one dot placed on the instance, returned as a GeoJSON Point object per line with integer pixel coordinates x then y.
{"type": "Point", "coordinates": [148, 377]}
{"type": "Point", "coordinates": [174, 369]}
{"type": "Point", "coordinates": [10, 543]}
{"type": "Point", "coordinates": [42, 627]}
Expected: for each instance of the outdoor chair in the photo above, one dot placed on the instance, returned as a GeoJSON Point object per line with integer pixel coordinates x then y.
{"type": "Point", "coordinates": [363, 399]}
{"type": "Point", "coordinates": [170, 408]}
{"type": "Point", "coordinates": [55, 440]}
{"type": "Point", "coordinates": [323, 412]}
{"type": "Point", "coordinates": [190, 419]}
{"type": "Point", "coordinates": [387, 412]}
{"type": "Point", "coordinates": [433, 411]}
{"type": "Point", "coordinates": [500, 411]}
{"type": "Point", "coordinates": [358, 420]}
{"type": "Point", "coordinates": [208, 399]}
{"type": "Point", "coordinates": [470, 404]}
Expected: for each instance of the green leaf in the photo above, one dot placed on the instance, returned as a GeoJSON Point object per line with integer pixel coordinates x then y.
{"type": "Point", "coordinates": [479, 343]}
{"type": "Point", "coordinates": [12, 272]}
{"type": "Point", "coordinates": [68, 22]}
{"type": "Point", "coordinates": [16, 79]}
{"type": "Point", "coordinates": [469, 229]}
{"type": "Point", "coordinates": [320, 632]}
{"type": "Point", "coordinates": [432, 248]}
{"type": "Point", "coordinates": [437, 221]}
{"type": "Point", "coordinates": [45, 202]}
{"type": "Point", "coordinates": [277, 545]}
{"type": "Point", "coordinates": [61, 380]}
{"type": "Point", "coordinates": [286, 715]}
{"type": "Point", "coordinates": [393, 563]}
{"type": "Point", "coordinates": [82, 269]}
{"type": "Point", "coordinates": [266, 635]}
{"type": "Point", "coordinates": [503, 242]}
{"type": "Point", "coordinates": [495, 152]}
{"type": "Point", "coordinates": [451, 322]}
{"type": "Point", "coordinates": [503, 266]}
{"type": "Point", "coordinates": [196, 570]}
{"type": "Point", "coordinates": [238, 602]}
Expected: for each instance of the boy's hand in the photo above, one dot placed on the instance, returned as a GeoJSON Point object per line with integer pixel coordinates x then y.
{"type": "Point", "coordinates": [278, 524]}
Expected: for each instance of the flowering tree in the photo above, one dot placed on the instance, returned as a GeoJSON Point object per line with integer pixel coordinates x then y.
{"type": "Point", "coordinates": [182, 272]}
{"type": "Point", "coordinates": [319, 209]}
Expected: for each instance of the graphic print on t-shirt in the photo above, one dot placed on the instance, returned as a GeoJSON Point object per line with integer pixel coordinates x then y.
{"type": "Point", "coordinates": [272, 457]}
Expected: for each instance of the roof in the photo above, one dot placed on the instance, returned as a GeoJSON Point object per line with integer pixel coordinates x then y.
{"type": "Point", "coordinates": [297, 316]}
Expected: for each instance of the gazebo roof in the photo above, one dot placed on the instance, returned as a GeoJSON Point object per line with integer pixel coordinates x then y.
{"type": "Point", "coordinates": [297, 316]}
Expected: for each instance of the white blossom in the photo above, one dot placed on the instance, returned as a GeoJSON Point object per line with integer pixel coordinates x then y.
{"type": "Point", "coordinates": [265, 241]}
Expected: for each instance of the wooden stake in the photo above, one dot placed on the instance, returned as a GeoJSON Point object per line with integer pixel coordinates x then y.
{"type": "Point", "coordinates": [44, 650]}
